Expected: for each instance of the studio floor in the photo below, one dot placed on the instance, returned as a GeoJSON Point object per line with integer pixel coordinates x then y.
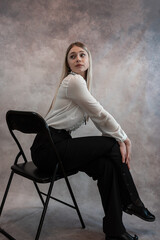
{"type": "Point", "coordinates": [22, 211]}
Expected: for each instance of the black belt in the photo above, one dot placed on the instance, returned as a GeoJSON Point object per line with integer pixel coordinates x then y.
{"type": "Point", "coordinates": [59, 135]}
{"type": "Point", "coordinates": [59, 130]}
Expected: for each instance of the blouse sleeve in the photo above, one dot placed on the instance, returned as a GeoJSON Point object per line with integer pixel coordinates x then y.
{"type": "Point", "coordinates": [78, 92]}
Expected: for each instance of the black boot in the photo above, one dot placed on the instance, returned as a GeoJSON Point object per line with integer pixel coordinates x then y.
{"type": "Point", "coordinates": [140, 211]}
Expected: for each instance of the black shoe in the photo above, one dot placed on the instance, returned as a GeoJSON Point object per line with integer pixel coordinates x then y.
{"type": "Point", "coordinates": [124, 236]}
{"type": "Point", "coordinates": [140, 212]}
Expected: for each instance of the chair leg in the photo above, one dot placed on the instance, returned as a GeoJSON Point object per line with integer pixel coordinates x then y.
{"type": "Point", "coordinates": [46, 204]}
{"type": "Point", "coordinates": [74, 201]}
{"type": "Point", "coordinates": [6, 234]}
{"type": "Point", "coordinates": [2, 205]}
{"type": "Point", "coordinates": [6, 192]}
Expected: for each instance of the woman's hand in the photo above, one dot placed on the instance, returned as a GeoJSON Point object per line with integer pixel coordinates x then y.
{"type": "Point", "coordinates": [125, 149]}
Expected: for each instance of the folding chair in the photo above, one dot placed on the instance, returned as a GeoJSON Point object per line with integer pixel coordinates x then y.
{"type": "Point", "coordinates": [33, 123]}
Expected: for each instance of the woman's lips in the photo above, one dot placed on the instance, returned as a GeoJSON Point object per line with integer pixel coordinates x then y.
{"type": "Point", "coordinates": [79, 65]}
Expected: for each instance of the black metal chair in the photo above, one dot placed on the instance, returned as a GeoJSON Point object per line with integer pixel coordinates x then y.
{"type": "Point", "coordinates": [33, 123]}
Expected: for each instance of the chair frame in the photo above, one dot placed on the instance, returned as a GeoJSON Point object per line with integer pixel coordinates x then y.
{"type": "Point", "coordinates": [15, 121]}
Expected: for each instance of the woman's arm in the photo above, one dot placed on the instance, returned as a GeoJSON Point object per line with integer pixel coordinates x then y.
{"type": "Point", "coordinates": [78, 92]}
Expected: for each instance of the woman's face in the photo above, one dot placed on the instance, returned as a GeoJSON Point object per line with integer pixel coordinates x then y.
{"type": "Point", "coordinates": [78, 60]}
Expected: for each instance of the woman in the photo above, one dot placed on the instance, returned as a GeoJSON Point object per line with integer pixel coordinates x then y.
{"type": "Point", "coordinates": [105, 158]}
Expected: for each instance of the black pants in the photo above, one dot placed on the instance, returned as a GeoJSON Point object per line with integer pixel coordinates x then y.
{"type": "Point", "coordinates": [100, 158]}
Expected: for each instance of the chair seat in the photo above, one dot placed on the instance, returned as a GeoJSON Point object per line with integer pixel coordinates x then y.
{"type": "Point", "coordinates": [30, 171]}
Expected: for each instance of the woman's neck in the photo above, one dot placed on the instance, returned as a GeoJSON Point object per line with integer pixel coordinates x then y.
{"type": "Point", "coordinates": [83, 74]}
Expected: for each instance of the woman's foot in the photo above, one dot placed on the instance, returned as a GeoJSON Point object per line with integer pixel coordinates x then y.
{"type": "Point", "coordinates": [140, 211]}
{"type": "Point", "coordinates": [124, 236]}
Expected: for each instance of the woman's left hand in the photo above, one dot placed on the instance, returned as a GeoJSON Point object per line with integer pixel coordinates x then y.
{"type": "Point", "coordinates": [125, 149]}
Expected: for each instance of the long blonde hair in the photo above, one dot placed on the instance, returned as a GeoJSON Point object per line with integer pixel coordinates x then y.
{"type": "Point", "coordinates": [66, 69]}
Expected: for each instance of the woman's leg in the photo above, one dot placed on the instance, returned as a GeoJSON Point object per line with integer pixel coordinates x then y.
{"type": "Point", "coordinates": [109, 190]}
{"type": "Point", "coordinates": [125, 178]}
{"type": "Point", "coordinates": [98, 157]}
{"type": "Point", "coordinates": [81, 152]}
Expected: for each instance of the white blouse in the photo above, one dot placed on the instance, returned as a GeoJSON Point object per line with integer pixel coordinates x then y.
{"type": "Point", "coordinates": [74, 102]}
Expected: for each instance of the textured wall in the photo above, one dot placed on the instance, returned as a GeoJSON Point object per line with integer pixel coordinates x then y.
{"type": "Point", "coordinates": [123, 36]}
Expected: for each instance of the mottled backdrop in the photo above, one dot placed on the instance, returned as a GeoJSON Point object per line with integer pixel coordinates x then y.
{"type": "Point", "coordinates": [123, 36]}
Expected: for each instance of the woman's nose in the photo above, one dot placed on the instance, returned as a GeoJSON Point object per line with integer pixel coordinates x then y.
{"type": "Point", "coordinates": [78, 59]}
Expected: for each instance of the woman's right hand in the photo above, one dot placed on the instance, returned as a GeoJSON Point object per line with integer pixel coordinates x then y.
{"type": "Point", "coordinates": [125, 149]}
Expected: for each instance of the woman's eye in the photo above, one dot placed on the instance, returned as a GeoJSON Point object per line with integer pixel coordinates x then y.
{"type": "Point", "coordinates": [72, 56]}
{"type": "Point", "coordinates": [83, 54]}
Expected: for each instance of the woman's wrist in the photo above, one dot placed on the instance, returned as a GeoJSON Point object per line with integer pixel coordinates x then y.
{"type": "Point", "coordinates": [127, 141]}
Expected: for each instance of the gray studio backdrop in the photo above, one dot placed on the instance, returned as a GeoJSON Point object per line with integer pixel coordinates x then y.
{"type": "Point", "coordinates": [123, 37]}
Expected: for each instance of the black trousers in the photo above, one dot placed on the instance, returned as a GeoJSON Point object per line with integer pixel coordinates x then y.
{"type": "Point", "coordinates": [100, 158]}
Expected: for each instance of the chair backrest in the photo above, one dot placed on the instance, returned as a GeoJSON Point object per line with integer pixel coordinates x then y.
{"type": "Point", "coordinates": [30, 123]}
{"type": "Point", "coordinates": [26, 122]}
